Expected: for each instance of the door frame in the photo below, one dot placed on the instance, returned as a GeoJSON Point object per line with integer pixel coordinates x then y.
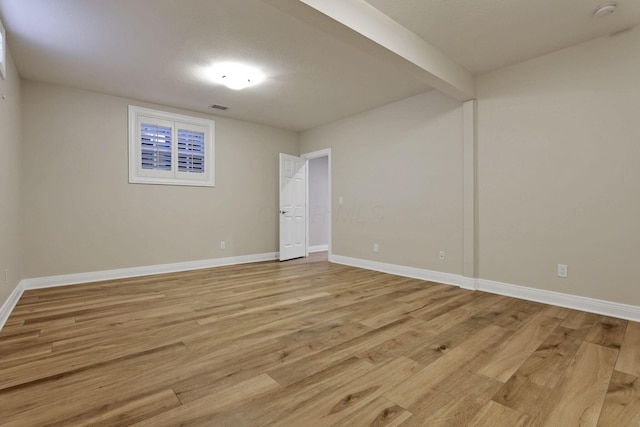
{"type": "Point", "coordinates": [315, 155]}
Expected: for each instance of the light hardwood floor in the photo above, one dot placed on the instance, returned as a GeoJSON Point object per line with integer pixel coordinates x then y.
{"type": "Point", "coordinates": [309, 343]}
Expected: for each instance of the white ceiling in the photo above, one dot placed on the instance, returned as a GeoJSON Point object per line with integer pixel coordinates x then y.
{"type": "Point", "coordinates": [483, 35]}
{"type": "Point", "coordinates": [156, 50]}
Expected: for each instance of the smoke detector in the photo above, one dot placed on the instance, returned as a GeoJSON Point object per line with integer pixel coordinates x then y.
{"type": "Point", "coordinates": [604, 10]}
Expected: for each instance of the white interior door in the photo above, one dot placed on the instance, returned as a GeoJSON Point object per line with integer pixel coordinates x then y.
{"type": "Point", "coordinates": [293, 210]}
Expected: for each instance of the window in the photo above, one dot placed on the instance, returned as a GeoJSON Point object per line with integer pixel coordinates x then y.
{"type": "Point", "coordinates": [170, 149]}
{"type": "Point", "coordinates": [3, 52]}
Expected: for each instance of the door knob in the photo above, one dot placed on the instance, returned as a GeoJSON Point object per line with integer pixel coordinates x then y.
{"type": "Point", "coordinates": [283, 212]}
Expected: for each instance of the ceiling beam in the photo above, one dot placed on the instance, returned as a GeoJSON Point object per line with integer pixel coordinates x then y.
{"type": "Point", "coordinates": [421, 59]}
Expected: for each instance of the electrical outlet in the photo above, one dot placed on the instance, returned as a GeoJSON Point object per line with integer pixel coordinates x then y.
{"type": "Point", "coordinates": [376, 248]}
{"type": "Point", "coordinates": [222, 245]}
{"type": "Point", "coordinates": [563, 270]}
{"type": "Point", "coordinates": [441, 255]}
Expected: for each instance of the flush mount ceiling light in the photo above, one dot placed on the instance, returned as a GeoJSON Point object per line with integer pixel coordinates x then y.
{"type": "Point", "coordinates": [234, 75]}
{"type": "Point", "coordinates": [604, 9]}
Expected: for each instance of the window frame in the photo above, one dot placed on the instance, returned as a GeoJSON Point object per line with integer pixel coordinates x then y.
{"type": "Point", "coordinates": [3, 52]}
{"type": "Point", "coordinates": [139, 175]}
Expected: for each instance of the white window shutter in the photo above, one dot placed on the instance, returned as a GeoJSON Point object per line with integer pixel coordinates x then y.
{"type": "Point", "coordinates": [155, 147]}
{"type": "Point", "coordinates": [191, 151]}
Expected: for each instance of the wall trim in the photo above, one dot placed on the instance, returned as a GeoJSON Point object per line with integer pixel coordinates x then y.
{"type": "Point", "coordinates": [122, 273]}
{"type": "Point", "coordinates": [96, 276]}
{"type": "Point", "coordinates": [318, 248]}
{"type": "Point", "coordinates": [591, 305]}
{"type": "Point", "coordinates": [399, 270]}
{"type": "Point", "coordinates": [469, 283]}
{"type": "Point", "coordinates": [10, 303]}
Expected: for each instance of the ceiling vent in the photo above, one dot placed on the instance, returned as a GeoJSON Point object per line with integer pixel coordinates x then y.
{"type": "Point", "coordinates": [219, 107]}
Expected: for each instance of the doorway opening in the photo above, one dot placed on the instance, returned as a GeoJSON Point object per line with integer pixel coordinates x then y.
{"type": "Point", "coordinates": [318, 201]}
{"type": "Point", "coordinates": [318, 204]}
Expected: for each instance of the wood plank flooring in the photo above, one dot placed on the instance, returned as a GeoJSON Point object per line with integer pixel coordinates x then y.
{"type": "Point", "coordinates": [310, 343]}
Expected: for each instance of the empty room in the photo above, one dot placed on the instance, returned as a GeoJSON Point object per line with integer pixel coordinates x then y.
{"type": "Point", "coordinates": [319, 213]}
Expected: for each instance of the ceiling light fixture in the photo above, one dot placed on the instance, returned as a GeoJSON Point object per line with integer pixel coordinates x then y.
{"type": "Point", "coordinates": [236, 82]}
{"type": "Point", "coordinates": [604, 10]}
{"type": "Point", "coordinates": [234, 75]}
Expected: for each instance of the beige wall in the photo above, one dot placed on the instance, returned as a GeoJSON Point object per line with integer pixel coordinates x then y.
{"type": "Point", "coordinates": [399, 171]}
{"type": "Point", "coordinates": [559, 172]}
{"type": "Point", "coordinates": [557, 180]}
{"type": "Point", "coordinates": [82, 215]}
{"type": "Point", "coordinates": [10, 218]}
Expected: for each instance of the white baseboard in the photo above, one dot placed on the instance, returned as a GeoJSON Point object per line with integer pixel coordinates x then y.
{"type": "Point", "coordinates": [592, 305]}
{"type": "Point", "coordinates": [469, 283]}
{"type": "Point", "coordinates": [399, 270]}
{"type": "Point", "coordinates": [608, 308]}
{"type": "Point", "coordinates": [10, 303]}
{"type": "Point", "coordinates": [318, 248]}
{"type": "Point", "coordinates": [97, 276]}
